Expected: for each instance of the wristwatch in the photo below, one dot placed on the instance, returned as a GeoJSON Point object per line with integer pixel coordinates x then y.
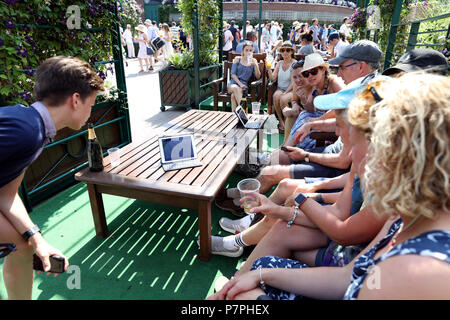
{"type": "Point", "coordinates": [31, 232]}
{"type": "Point", "coordinates": [307, 157]}
{"type": "Point", "coordinates": [300, 199]}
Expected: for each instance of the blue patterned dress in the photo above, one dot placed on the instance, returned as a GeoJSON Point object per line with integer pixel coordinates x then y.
{"type": "Point", "coordinates": [435, 243]}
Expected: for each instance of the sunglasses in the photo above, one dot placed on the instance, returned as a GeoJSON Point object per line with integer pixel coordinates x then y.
{"type": "Point", "coordinates": [285, 50]}
{"type": "Point", "coordinates": [6, 248]}
{"type": "Point", "coordinates": [313, 72]}
{"type": "Point", "coordinates": [374, 93]}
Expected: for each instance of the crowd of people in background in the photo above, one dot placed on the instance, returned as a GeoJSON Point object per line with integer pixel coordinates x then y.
{"type": "Point", "coordinates": [173, 37]}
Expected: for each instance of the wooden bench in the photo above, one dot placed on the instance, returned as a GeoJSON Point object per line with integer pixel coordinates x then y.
{"type": "Point", "coordinates": [220, 144]}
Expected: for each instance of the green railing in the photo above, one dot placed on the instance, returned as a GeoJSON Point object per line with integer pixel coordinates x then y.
{"type": "Point", "coordinates": [405, 36]}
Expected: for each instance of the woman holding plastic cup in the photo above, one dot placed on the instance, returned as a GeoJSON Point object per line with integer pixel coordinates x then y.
{"type": "Point", "coordinates": [248, 188]}
{"type": "Point", "coordinates": [282, 74]}
{"type": "Point", "coordinates": [244, 67]}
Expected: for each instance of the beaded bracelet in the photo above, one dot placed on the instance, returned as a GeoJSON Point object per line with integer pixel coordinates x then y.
{"type": "Point", "coordinates": [290, 222]}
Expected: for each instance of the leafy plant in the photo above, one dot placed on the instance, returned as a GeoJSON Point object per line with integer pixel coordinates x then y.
{"type": "Point", "coordinates": [34, 30]}
{"type": "Point", "coordinates": [209, 22]}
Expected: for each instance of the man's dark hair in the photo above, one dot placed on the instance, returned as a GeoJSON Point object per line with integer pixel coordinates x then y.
{"type": "Point", "coordinates": [250, 35]}
{"type": "Point", "coordinates": [298, 64]}
{"type": "Point", "coordinates": [59, 77]}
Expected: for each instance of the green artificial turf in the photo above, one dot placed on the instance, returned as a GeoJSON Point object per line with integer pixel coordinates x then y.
{"type": "Point", "coordinates": [151, 253]}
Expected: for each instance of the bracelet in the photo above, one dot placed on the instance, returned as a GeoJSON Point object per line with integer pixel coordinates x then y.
{"type": "Point", "coordinates": [262, 284]}
{"type": "Point", "coordinates": [31, 232]}
{"type": "Point", "coordinates": [290, 222]}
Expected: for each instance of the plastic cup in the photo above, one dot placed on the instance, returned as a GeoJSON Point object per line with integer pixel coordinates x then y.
{"type": "Point", "coordinates": [256, 107]}
{"type": "Point", "coordinates": [250, 58]}
{"type": "Point", "coordinates": [245, 187]}
{"type": "Point", "coordinates": [114, 156]}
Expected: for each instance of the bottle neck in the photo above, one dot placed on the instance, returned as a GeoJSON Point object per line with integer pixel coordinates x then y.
{"type": "Point", "coordinates": [91, 134]}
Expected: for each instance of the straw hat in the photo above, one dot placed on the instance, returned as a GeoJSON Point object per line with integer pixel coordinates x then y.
{"type": "Point", "coordinates": [141, 28]}
{"type": "Point", "coordinates": [314, 60]}
{"type": "Point", "coordinates": [286, 45]}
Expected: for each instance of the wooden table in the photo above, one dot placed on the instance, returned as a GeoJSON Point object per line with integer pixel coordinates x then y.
{"type": "Point", "coordinates": [220, 144]}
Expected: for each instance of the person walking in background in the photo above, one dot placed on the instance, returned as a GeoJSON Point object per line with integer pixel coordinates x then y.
{"type": "Point", "coordinates": [128, 37]}
{"type": "Point", "coordinates": [228, 41]}
{"type": "Point", "coordinates": [175, 32]}
{"type": "Point", "coordinates": [236, 35]}
{"type": "Point", "coordinates": [151, 34]}
{"type": "Point", "coordinates": [142, 53]}
{"type": "Point", "coordinates": [315, 28]}
{"type": "Point", "coordinates": [345, 28]}
{"type": "Point", "coordinates": [167, 49]}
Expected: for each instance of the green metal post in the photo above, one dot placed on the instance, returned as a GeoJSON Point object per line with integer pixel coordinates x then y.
{"type": "Point", "coordinates": [412, 39]}
{"type": "Point", "coordinates": [392, 33]}
{"type": "Point", "coordinates": [259, 25]}
{"type": "Point", "coordinates": [220, 44]}
{"type": "Point", "coordinates": [196, 56]}
{"type": "Point", "coordinates": [244, 22]}
{"type": "Point", "coordinates": [120, 76]}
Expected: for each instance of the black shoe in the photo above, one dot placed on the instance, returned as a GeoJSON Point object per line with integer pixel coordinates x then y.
{"type": "Point", "coordinates": [228, 205]}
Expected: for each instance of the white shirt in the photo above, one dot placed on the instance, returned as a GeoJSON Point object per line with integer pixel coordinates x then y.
{"type": "Point", "coordinates": [128, 36]}
{"type": "Point", "coordinates": [345, 29]}
{"type": "Point", "coordinates": [341, 45]}
{"type": "Point", "coordinates": [228, 36]}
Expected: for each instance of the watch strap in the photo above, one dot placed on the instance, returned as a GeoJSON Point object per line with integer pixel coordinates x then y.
{"type": "Point", "coordinates": [30, 232]}
{"type": "Point", "coordinates": [300, 199]}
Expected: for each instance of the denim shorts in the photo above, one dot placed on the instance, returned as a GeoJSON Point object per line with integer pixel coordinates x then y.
{"type": "Point", "coordinates": [313, 170]}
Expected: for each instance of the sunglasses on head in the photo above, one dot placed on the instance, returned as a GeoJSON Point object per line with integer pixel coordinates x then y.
{"type": "Point", "coordinates": [6, 248]}
{"type": "Point", "coordinates": [313, 72]}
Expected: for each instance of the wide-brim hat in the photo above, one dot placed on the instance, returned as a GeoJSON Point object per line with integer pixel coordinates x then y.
{"type": "Point", "coordinates": [141, 28]}
{"type": "Point", "coordinates": [286, 45]}
{"type": "Point", "coordinates": [314, 60]}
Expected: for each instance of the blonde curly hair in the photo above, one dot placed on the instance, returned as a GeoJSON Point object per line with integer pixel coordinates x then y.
{"type": "Point", "coordinates": [407, 170]}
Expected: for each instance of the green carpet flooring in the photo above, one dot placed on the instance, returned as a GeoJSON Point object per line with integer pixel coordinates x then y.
{"type": "Point", "coordinates": [151, 252]}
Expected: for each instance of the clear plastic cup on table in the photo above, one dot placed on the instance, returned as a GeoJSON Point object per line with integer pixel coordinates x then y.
{"type": "Point", "coordinates": [246, 187]}
{"type": "Point", "coordinates": [256, 106]}
{"type": "Point", "coordinates": [114, 156]}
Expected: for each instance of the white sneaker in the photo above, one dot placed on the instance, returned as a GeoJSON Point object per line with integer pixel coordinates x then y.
{"type": "Point", "coordinates": [218, 248]}
{"type": "Point", "coordinates": [233, 226]}
{"type": "Point", "coordinates": [220, 282]}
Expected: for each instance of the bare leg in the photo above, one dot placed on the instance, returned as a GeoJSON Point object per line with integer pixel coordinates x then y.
{"type": "Point", "coordinates": [271, 176]}
{"type": "Point", "coordinates": [18, 273]}
{"type": "Point", "coordinates": [285, 188]}
{"type": "Point", "coordinates": [140, 64]}
{"type": "Point", "coordinates": [276, 104]}
{"type": "Point", "coordinates": [282, 242]}
{"type": "Point", "coordinates": [236, 95]}
{"type": "Point", "coordinates": [255, 233]}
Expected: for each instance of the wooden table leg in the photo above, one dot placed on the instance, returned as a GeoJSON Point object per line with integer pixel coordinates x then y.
{"type": "Point", "coordinates": [204, 220]}
{"type": "Point", "coordinates": [98, 211]}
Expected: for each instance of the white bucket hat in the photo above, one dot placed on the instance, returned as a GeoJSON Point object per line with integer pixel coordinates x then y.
{"type": "Point", "coordinates": [141, 28]}
{"type": "Point", "coordinates": [314, 60]}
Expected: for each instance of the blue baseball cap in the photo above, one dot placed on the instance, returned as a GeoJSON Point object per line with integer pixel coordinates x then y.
{"type": "Point", "coordinates": [341, 99]}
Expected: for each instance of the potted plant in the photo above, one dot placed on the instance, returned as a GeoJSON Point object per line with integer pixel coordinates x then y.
{"type": "Point", "coordinates": [177, 80]}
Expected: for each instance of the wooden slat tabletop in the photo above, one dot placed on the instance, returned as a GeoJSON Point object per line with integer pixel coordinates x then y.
{"type": "Point", "coordinates": [220, 144]}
